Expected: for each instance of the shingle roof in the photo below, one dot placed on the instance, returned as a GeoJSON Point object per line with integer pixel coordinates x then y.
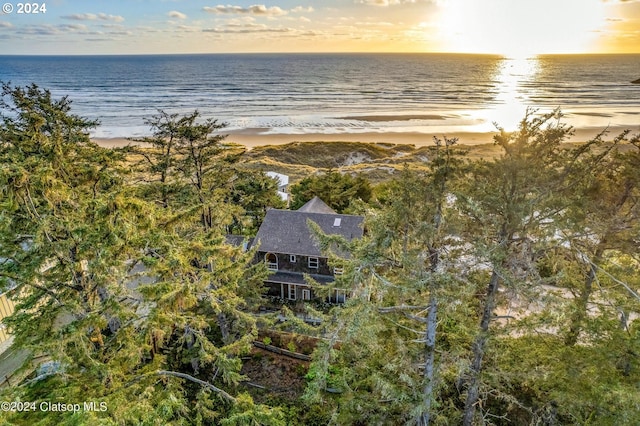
{"type": "Point", "coordinates": [286, 231]}
{"type": "Point", "coordinates": [316, 205]}
{"type": "Point", "coordinates": [238, 240]}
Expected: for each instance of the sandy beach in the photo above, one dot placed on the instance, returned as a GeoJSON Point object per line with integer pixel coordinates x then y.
{"type": "Point", "coordinates": [257, 137]}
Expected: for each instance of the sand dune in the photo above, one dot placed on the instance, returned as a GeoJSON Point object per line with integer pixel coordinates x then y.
{"type": "Point", "coordinates": [257, 137]}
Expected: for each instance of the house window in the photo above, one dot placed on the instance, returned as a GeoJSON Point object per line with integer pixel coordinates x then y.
{"type": "Point", "coordinates": [292, 258]}
{"type": "Point", "coordinates": [272, 261]}
{"type": "Point", "coordinates": [313, 262]}
{"type": "Point", "coordinates": [292, 292]}
{"type": "Point", "coordinates": [341, 296]}
{"type": "Point", "coordinates": [306, 294]}
{"type": "Point", "coordinates": [338, 271]}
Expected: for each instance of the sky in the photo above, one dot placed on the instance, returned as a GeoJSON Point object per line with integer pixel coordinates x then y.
{"type": "Point", "coordinates": [507, 27]}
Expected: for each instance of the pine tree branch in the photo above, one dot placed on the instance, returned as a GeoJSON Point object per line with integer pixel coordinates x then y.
{"type": "Point", "coordinates": [389, 309]}
{"type": "Point", "coordinates": [195, 380]}
{"type": "Point", "coordinates": [625, 285]}
{"type": "Point", "coordinates": [415, 317]}
{"type": "Point", "coordinates": [185, 376]}
{"type": "Point", "coordinates": [418, 332]}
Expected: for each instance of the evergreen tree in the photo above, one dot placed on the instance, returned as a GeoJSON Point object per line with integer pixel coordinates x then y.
{"type": "Point", "coordinates": [137, 309]}
{"type": "Point", "coordinates": [159, 156]}
{"type": "Point", "coordinates": [386, 366]}
{"type": "Point", "coordinates": [509, 203]}
{"type": "Point", "coordinates": [603, 219]}
{"type": "Point", "coordinates": [334, 188]}
{"type": "Point", "coordinates": [187, 164]}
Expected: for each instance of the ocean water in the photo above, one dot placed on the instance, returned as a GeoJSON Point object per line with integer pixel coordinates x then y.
{"type": "Point", "coordinates": [336, 93]}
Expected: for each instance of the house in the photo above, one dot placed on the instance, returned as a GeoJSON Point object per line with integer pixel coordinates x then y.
{"type": "Point", "coordinates": [283, 184]}
{"type": "Point", "coordinates": [6, 308]}
{"type": "Point", "coordinates": [287, 245]}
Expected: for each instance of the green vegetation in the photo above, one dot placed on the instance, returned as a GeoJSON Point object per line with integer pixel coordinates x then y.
{"type": "Point", "coordinates": [336, 189]}
{"type": "Point", "coordinates": [501, 290]}
{"type": "Point", "coordinates": [377, 162]}
{"type": "Point", "coordinates": [533, 325]}
{"type": "Point", "coordinates": [80, 234]}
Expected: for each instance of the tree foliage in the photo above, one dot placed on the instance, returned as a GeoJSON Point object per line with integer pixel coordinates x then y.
{"type": "Point", "coordinates": [512, 256]}
{"type": "Point", "coordinates": [187, 163]}
{"type": "Point", "coordinates": [483, 292]}
{"type": "Point", "coordinates": [140, 306]}
{"type": "Point", "coordinates": [386, 366]}
{"type": "Point", "coordinates": [336, 189]}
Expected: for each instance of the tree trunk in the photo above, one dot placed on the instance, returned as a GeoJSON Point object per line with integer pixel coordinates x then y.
{"type": "Point", "coordinates": [430, 349]}
{"type": "Point", "coordinates": [479, 346]}
{"type": "Point", "coordinates": [580, 314]}
{"type": "Point", "coordinates": [223, 323]}
{"type": "Point", "coordinates": [432, 318]}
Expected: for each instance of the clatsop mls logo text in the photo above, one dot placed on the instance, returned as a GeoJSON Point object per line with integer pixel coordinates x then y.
{"type": "Point", "coordinates": [48, 406]}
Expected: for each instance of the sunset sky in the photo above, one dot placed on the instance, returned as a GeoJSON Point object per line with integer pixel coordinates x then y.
{"type": "Point", "coordinates": [509, 27]}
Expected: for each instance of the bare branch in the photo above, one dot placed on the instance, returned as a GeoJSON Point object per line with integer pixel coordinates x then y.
{"type": "Point", "coordinates": [389, 309]}
{"type": "Point", "coordinates": [208, 385]}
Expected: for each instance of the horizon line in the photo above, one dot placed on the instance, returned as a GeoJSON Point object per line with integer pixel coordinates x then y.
{"type": "Point", "coordinates": [505, 56]}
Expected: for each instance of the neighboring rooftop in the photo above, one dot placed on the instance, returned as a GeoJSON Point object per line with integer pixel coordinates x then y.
{"type": "Point", "coordinates": [316, 205]}
{"type": "Point", "coordinates": [239, 241]}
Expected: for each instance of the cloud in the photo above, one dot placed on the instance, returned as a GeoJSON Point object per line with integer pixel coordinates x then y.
{"type": "Point", "coordinates": [256, 9]}
{"type": "Point", "coordinates": [73, 27]}
{"type": "Point", "coordinates": [247, 29]}
{"type": "Point", "coordinates": [187, 28]}
{"type": "Point", "coordinates": [389, 2]}
{"type": "Point", "coordinates": [148, 30]}
{"type": "Point", "coordinates": [52, 30]}
{"type": "Point", "coordinates": [94, 17]}
{"type": "Point", "coordinates": [301, 9]}
{"type": "Point", "coordinates": [374, 24]}
{"type": "Point", "coordinates": [120, 33]}
{"type": "Point", "coordinates": [177, 15]}
{"type": "Point", "coordinates": [4, 24]}
{"type": "Point", "coordinates": [378, 2]}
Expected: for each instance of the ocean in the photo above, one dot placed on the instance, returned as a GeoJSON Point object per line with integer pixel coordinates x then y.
{"type": "Point", "coordinates": [338, 93]}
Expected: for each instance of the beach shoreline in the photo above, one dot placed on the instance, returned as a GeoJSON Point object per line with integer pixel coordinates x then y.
{"type": "Point", "coordinates": [251, 138]}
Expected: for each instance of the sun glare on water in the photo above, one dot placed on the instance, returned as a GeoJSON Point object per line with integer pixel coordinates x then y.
{"type": "Point", "coordinates": [519, 28]}
{"type": "Point", "coordinates": [512, 101]}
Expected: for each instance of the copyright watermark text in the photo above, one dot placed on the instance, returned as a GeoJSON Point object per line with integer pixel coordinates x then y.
{"type": "Point", "coordinates": [34, 8]}
{"type": "Point", "coordinates": [48, 406]}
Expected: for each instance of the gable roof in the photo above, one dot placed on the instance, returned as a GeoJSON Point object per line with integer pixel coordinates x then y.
{"type": "Point", "coordinates": [286, 231]}
{"type": "Point", "coordinates": [316, 205]}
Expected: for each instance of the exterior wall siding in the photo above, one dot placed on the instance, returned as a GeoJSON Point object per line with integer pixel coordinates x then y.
{"type": "Point", "coordinates": [301, 265]}
{"type": "Point", "coordinates": [6, 308]}
{"type": "Point", "coordinates": [289, 291]}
